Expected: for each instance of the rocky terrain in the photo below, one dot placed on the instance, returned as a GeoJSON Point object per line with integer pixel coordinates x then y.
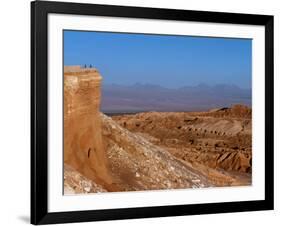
{"type": "Point", "coordinates": [219, 139]}
{"type": "Point", "coordinates": [150, 150]}
{"type": "Point", "coordinates": [75, 183]}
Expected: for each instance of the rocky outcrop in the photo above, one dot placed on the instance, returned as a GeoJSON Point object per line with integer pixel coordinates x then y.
{"type": "Point", "coordinates": [238, 111]}
{"type": "Point", "coordinates": [83, 145]}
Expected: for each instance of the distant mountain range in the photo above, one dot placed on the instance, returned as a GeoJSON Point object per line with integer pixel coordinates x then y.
{"type": "Point", "coordinates": [149, 97]}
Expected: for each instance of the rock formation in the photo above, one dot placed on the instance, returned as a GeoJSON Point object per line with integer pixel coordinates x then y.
{"type": "Point", "coordinates": [83, 145]}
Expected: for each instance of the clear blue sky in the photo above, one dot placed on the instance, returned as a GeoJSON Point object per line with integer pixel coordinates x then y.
{"type": "Point", "coordinates": [166, 60]}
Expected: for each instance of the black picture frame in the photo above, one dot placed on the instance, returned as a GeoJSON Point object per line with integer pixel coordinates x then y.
{"type": "Point", "coordinates": [39, 112]}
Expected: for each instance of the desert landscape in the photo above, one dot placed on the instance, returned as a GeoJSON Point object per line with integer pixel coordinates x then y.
{"type": "Point", "coordinates": [110, 150]}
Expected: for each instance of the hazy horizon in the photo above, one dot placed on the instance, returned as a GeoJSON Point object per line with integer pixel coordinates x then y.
{"type": "Point", "coordinates": [202, 84]}
{"type": "Point", "coordinates": [148, 97]}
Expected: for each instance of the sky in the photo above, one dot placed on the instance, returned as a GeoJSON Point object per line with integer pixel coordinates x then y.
{"type": "Point", "coordinates": [166, 60]}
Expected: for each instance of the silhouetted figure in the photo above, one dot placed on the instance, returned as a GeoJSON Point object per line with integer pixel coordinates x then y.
{"type": "Point", "coordinates": [85, 66]}
{"type": "Point", "coordinates": [90, 65]}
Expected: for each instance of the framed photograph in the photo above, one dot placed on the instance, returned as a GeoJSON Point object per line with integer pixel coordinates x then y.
{"type": "Point", "coordinates": [145, 112]}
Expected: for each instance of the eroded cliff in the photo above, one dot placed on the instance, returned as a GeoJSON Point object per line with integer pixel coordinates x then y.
{"type": "Point", "coordinates": [83, 145]}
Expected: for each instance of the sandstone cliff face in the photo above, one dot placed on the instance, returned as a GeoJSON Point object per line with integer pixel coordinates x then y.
{"type": "Point", "coordinates": [83, 145]}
